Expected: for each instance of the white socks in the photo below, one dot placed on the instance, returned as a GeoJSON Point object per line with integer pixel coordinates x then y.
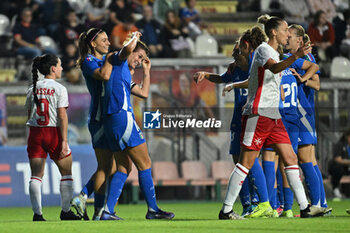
{"type": "Point", "coordinates": [66, 189]}
{"type": "Point", "coordinates": [35, 194]}
{"type": "Point", "coordinates": [234, 186]}
{"type": "Point", "coordinates": [293, 177]}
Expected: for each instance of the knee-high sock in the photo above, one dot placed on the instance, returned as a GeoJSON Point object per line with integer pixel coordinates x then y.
{"type": "Point", "coordinates": [115, 188]}
{"type": "Point", "coordinates": [147, 188]}
{"type": "Point", "coordinates": [288, 199]}
{"type": "Point", "coordinates": [98, 203]}
{"type": "Point", "coordinates": [244, 194]}
{"type": "Point", "coordinates": [322, 191]}
{"type": "Point", "coordinates": [280, 195]}
{"type": "Point", "coordinates": [234, 186]}
{"type": "Point", "coordinates": [35, 194]}
{"type": "Point", "coordinates": [312, 183]}
{"type": "Point", "coordinates": [273, 200]}
{"type": "Point", "coordinates": [88, 189]}
{"type": "Point", "coordinates": [66, 189]}
{"type": "Point", "coordinates": [293, 177]}
{"type": "Point", "coordinates": [258, 180]}
{"type": "Point", "coordinates": [269, 171]}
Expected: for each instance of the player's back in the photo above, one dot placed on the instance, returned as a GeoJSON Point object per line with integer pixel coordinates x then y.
{"type": "Point", "coordinates": [51, 95]}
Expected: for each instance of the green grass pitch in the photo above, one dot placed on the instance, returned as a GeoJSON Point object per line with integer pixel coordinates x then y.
{"type": "Point", "coordinates": [189, 217]}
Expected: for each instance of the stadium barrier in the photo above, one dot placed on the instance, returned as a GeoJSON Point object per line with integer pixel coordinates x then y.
{"type": "Point", "coordinates": [15, 175]}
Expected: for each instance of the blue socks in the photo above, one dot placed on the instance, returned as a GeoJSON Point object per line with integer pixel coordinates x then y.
{"type": "Point", "coordinates": [273, 200]}
{"type": "Point", "coordinates": [147, 188]}
{"type": "Point", "coordinates": [322, 192]}
{"type": "Point", "coordinates": [258, 179]}
{"type": "Point", "coordinates": [99, 201]}
{"type": "Point", "coordinates": [280, 195]}
{"type": "Point", "coordinates": [244, 194]}
{"type": "Point", "coordinates": [114, 190]}
{"type": "Point", "coordinates": [254, 198]}
{"type": "Point", "coordinates": [269, 171]}
{"type": "Point", "coordinates": [288, 199]}
{"type": "Point", "coordinates": [89, 187]}
{"type": "Point", "coordinates": [312, 182]}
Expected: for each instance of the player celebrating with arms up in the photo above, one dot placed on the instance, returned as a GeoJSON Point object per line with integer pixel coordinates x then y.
{"type": "Point", "coordinates": [47, 102]}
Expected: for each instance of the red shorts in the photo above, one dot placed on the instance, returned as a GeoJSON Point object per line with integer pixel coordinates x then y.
{"type": "Point", "coordinates": [259, 131]}
{"type": "Point", "coordinates": [43, 140]}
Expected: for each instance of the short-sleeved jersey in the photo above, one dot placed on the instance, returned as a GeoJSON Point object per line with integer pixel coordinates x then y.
{"type": "Point", "coordinates": [118, 87]}
{"type": "Point", "coordinates": [264, 86]}
{"type": "Point", "coordinates": [90, 64]}
{"type": "Point", "coordinates": [305, 94]}
{"type": "Point", "coordinates": [290, 87]}
{"type": "Point", "coordinates": [51, 95]}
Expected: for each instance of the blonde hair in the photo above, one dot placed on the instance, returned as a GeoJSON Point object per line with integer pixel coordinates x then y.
{"type": "Point", "coordinates": [299, 31]}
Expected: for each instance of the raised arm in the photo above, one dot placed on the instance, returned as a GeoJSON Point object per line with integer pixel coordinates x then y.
{"type": "Point", "coordinates": [276, 67]}
{"type": "Point", "coordinates": [199, 76]}
{"type": "Point", "coordinates": [142, 91]}
{"type": "Point", "coordinates": [129, 47]}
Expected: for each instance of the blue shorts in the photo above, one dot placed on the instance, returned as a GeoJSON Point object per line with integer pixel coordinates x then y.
{"type": "Point", "coordinates": [98, 136]}
{"type": "Point", "coordinates": [122, 131]}
{"type": "Point", "coordinates": [292, 127]}
{"type": "Point", "coordinates": [307, 130]}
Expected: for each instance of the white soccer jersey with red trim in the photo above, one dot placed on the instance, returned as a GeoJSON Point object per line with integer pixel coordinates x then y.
{"type": "Point", "coordinates": [264, 86]}
{"type": "Point", "coordinates": [51, 95]}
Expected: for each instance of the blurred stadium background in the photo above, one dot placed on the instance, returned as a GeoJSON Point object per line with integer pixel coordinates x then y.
{"type": "Point", "coordinates": [171, 88]}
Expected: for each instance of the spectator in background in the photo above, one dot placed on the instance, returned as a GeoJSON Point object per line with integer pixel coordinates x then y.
{"type": "Point", "coordinates": [26, 36]}
{"type": "Point", "coordinates": [342, 34]}
{"type": "Point", "coordinates": [33, 5]}
{"type": "Point", "coordinates": [150, 29]}
{"type": "Point", "coordinates": [340, 164]}
{"type": "Point", "coordinates": [325, 5]}
{"type": "Point", "coordinates": [70, 55]}
{"type": "Point", "coordinates": [53, 13]}
{"type": "Point", "coordinates": [192, 19]}
{"type": "Point", "coordinates": [295, 12]}
{"type": "Point", "coordinates": [322, 35]}
{"type": "Point", "coordinates": [173, 37]}
{"type": "Point", "coordinates": [161, 7]}
{"type": "Point", "coordinates": [70, 30]}
{"type": "Point", "coordinates": [119, 10]}
{"type": "Point", "coordinates": [96, 12]}
{"type": "Point", "coordinates": [121, 31]}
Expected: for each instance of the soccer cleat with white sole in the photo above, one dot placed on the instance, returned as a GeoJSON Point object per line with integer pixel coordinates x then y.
{"type": "Point", "coordinates": [230, 216]}
{"type": "Point", "coordinates": [79, 203]}
{"type": "Point", "coordinates": [264, 210]}
{"type": "Point", "coordinates": [287, 214]}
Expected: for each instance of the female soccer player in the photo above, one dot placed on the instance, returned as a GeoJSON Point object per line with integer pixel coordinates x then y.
{"type": "Point", "coordinates": [307, 135]}
{"type": "Point", "coordinates": [262, 124]}
{"type": "Point", "coordinates": [123, 135]}
{"type": "Point", "coordinates": [47, 101]}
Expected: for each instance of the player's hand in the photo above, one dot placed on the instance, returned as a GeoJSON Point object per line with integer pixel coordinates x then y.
{"type": "Point", "coordinates": [146, 64]}
{"type": "Point", "coordinates": [137, 35]}
{"type": "Point", "coordinates": [304, 50]}
{"type": "Point", "coordinates": [231, 67]}
{"type": "Point", "coordinates": [296, 74]}
{"type": "Point", "coordinates": [109, 57]}
{"type": "Point", "coordinates": [199, 76]}
{"type": "Point", "coordinates": [227, 88]}
{"type": "Point", "coordinates": [65, 149]}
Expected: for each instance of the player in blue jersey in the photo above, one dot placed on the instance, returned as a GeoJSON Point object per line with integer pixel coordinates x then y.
{"type": "Point", "coordinates": [307, 136]}
{"type": "Point", "coordinates": [93, 45]}
{"type": "Point", "coordinates": [118, 172]}
{"type": "Point", "coordinates": [123, 135]}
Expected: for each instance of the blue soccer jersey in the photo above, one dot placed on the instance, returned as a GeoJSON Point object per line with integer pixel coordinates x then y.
{"type": "Point", "coordinates": [95, 87]}
{"type": "Point", "coordinates": [89, 65]}
{"type": "Point", "coordinates": [120, 126]}
{"type": "Point", "coordinates": [238, 75]}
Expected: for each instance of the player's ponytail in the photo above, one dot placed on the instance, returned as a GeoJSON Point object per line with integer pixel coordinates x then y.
{"type": "Point", "coordinates": [36, 63]}
{"type": "Point", "coordinates": [270, 23]}
{"type": "Point", "coordinates": [257, 36]}
{"type": "Point", "coordinates": [85, 47]}
{"type": "Point", "coordinates": [42, 64]}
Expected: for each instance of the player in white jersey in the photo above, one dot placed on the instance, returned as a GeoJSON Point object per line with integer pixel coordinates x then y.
{"type": "Point", "coordinates": [262, 124]}
{"type": "Point", "coordinates": [47, 101]}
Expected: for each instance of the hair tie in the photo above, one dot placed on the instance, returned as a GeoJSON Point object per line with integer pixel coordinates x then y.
{"type": "Point", "coordinates": [95, 35]}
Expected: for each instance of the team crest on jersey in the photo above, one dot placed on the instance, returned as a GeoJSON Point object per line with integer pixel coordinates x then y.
{"type": "Point", "coordinates": [89, 58]}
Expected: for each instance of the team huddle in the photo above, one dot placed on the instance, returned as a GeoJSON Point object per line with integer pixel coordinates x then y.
{"type": "Point", "coordinates": [275, 115]}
